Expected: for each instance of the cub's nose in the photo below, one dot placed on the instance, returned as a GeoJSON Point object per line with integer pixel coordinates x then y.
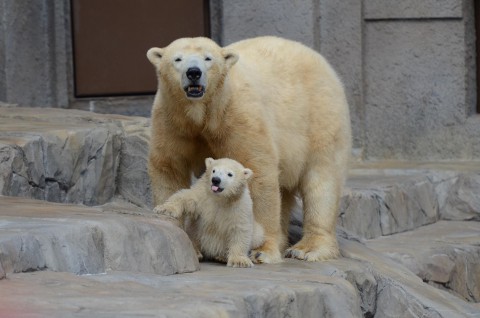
{"type": "Point", "coordinates": [216, 181]}
{"type": "Point", "coordinates": [194, 73]}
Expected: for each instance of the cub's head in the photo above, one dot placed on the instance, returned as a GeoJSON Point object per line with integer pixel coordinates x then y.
{"type": "Point", "coordinates": [226, 177]}
{"type": "Point", "coordinates": [191, 66]}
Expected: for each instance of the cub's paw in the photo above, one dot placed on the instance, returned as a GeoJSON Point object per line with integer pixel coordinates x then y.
{"type": "Point", "coordinates": [239, 261]}
{"type": "Point", "coordinates": [168, 210]}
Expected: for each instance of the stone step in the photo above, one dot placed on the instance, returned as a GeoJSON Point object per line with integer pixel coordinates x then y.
{"type": "Point", "coordinates": [72, 156]}
{"type": "Point", "coordinates": [124, 257]}
{"type": "Point", "coordinates": [38, 235]}
{"type": "Point", "coordinates": [445, 254]}
{"type": "Point", "coordinates": [381, 200]}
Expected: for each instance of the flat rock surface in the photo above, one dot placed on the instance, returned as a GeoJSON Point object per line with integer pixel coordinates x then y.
{"type": "Point", "coordinates": [446, 254]}
{"type": "Point", "coordinates": [39, 235]}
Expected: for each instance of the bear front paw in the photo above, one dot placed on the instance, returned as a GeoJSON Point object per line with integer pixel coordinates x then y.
{"type": "Point", "coordinates": [168, 211]}
{"type": "Point", "coordinates": [239, 261]}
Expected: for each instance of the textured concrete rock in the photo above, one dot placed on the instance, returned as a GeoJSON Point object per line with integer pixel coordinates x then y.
{"type": "Point", "coordinates": [133, 182]}
{"type": "Point", "coordinates": [37, 235]}
{"type": "Point", "coordinates": [400, 293]}
{"type": "Point", "coordinates": [463, 199]}
{"type": "Point", "coordinates": [445, 253]}
{"type": "Point", "coordinates": [66, 156]}
{"type": "Point", "coordinates": [215, 291]}
{"type": "Point", "coordinates": [363, 284]}
{"type": "Point", "coordinates": [375, 205]}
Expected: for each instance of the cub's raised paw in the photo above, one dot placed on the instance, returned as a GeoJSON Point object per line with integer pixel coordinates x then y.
{"type": "Point", "coordinates": [167, 210]}
{"type": "Point", "coordinates": [239, 261]}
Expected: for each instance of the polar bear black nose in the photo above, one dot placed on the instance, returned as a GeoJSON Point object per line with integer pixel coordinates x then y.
{"type": "Point", "coordinates": [216, 181]}
{"type": "Point", "coordinates": [194, 73]}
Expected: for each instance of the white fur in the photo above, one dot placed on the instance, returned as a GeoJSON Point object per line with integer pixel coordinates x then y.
{"type": "Point", "coordinates": [222, 224]}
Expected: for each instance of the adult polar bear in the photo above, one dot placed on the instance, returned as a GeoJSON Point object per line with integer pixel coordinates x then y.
{"type": "Point", "coordinates": [275, 106]}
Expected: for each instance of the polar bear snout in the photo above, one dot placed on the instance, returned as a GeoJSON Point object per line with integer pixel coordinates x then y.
{"type": "Point", "coordinates": [216, 181]}
{"type": "Point", "coordinates": [194, 73]}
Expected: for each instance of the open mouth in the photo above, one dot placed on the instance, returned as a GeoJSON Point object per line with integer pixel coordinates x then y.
{"type": "Point", "coordinates": [194, 91]}
{"type": "Point", "coordinates": [216, 189]}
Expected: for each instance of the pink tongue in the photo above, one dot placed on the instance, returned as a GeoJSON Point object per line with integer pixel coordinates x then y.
{"type": "Point", "coordinates": [214, 188]}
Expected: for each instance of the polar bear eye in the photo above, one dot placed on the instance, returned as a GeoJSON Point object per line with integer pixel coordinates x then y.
{"type": "Point", "coordinates": [208, 58]}
{"type": "Point", "coordinates": [230, 174]}
{"type": "Point", "coordinates": [178, 59]}
{"type": "Point", "coordinates": [213, 171]}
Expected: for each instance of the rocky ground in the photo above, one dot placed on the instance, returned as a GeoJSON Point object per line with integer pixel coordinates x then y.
{"type": "Point", "coordinates": [77, 236]}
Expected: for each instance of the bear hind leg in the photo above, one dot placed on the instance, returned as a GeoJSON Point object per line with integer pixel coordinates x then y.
{"type": "Point", "coordinates": [320, 191]}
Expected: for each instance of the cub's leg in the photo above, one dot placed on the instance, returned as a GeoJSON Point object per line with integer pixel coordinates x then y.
{"type": "Point", "coordinates": [239, 244]}
{"type": "Point", "coordinates": [320, 189]}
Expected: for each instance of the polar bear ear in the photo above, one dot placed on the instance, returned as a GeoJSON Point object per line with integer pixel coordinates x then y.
{"type": "Point", "coordinates": [247, 173]}
{"type": "Point", "coordinates": [230, 57]}
{"type": "Point", "coordinates": [154, 55]}
{"type": "Point", "coordinates": [208, 162]}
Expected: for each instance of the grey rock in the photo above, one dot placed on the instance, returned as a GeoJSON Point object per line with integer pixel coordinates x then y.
{"type": "Point", "coordinates": [36, 235]}
{"type": "Point", "coordinates": [72, 156]}
{"type": "Point", "coordinates": [375, 204]}
{"type": "Point", "coordinates": [444, 253]}
{"type": "Point", "coordinates": [400, 293]}
{"type": "Point", "coordinates": [133, 182]}
{"type": "Point", "coordinates": [463, 200]}
{"type": "Point", "coordinates": [360, 213]}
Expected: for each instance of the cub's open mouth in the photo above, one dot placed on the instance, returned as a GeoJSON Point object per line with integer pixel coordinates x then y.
{"type": "Point", "coordinates": [216, 189]}
{"type": "Point", "coordinates": [194, 91]}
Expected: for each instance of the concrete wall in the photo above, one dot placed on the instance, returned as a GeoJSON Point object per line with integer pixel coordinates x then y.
{"type": "Point", "coordinates": [408, 66]}
{"type": "Point", "coordinates": [32, 53]}
{"type": "Point", "coordinates": [419, 82]}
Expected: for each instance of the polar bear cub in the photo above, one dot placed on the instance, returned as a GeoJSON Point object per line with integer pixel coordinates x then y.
{"type": "Point", "coordinates": [221, 209]}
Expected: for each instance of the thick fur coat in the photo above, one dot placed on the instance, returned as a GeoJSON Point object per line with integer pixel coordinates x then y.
{"type": "Point", "coordinates": [220, 211]}
{"type": "Point", "coordinates": [275, 106]}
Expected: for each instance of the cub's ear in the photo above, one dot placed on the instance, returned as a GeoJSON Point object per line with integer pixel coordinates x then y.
{"type": "Point", "coordinates": [230, 57]}
{"type": "Point", "coordinates": [154, 55]}
{"type": "Point", "coordinates": [247, 173]}
{"type": "Point", "coordinates": [208, 162]}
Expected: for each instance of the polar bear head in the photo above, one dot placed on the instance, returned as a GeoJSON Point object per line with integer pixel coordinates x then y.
{"type": "Point", "coordinates": [191, 66]}
{"type": "Point", "coordinates": [226, 177]}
